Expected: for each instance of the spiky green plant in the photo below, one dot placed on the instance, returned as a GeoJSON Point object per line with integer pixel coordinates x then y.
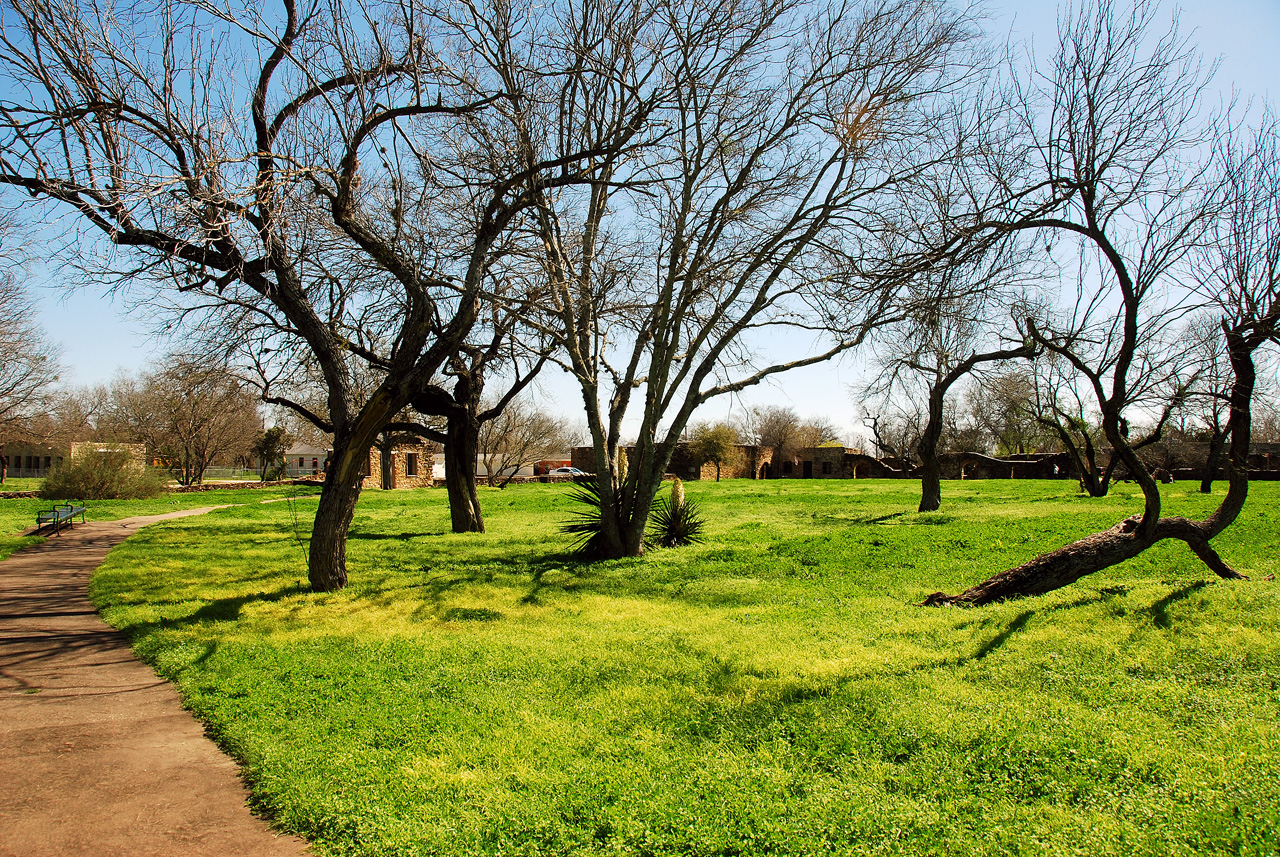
{"type": "Point", "coordinates": [587, 524]}
{"type": "Point", "coordinates": [676, 522]}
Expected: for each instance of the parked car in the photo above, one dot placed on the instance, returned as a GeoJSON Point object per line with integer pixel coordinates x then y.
{"type": "Point", "coordinates": [567, 471]}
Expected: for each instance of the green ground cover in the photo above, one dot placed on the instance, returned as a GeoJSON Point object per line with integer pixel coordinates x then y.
{"type": "Point", "coordinates": [772, 691]}
{"type": "Point", "coordinates": [19, 514]}
{"type": "Point", "coordinates": [23, 484]}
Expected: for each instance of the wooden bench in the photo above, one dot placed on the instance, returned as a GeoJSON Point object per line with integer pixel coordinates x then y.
{"type": "Point", "coordinates": [62, 514]}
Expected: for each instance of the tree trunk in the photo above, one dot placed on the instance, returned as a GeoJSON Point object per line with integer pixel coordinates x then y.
{"type": "Point", "coordinates": [327, 558]}
{"type": "Point", "coordinates": [1211, 461]}
{"type": "Point", "coordinates": [1133, 535]}
{"type": "Point", "coordinates": [927, 446]}
{"type": "Point", "coordinates": [625, 513]}
{"type": "Point", "coordinates": [1094, 483]}
{"type": "Point", "coordinates": [633, 517]}
{"type": "Point", "coordinates": [1084, 460]}
{"type": "Point", "coordinates": [633, 534]}
{"type": "Point", "coordinates": [930, 483]}
{"type": "Point", "coordinates": [1055, 569]}
{"type": "Point", "coordinates": [927, 451]}
{"type": "Point", "coordinates": [1099, 551]}
{"type": "Point", "coordinates": [386, 468]}
{"type": "Point", "coordinates": [460, 451]}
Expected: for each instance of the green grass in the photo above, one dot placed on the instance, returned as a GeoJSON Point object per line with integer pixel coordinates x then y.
{"type": "Point", "coordinates": [23, 484]}
{"type": "Point", "coordinates": [771, 691]}
{"type": "Point", "coordinates": [19, 514]}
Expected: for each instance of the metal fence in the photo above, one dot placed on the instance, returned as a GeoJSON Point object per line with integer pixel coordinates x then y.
{"type": "Point", "coordinates": [27, 472]}
{"type": "Point", "coordinates": [220, 474]}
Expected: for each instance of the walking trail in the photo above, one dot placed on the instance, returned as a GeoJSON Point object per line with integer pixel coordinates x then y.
{"type": "Point", "coordinates": [97, 755]}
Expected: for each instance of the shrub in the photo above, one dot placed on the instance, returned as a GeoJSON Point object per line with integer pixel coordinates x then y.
{"type": "Point", "coordinates": [102, 476]}
{"type": "Point", "coordinates": [677, 521]}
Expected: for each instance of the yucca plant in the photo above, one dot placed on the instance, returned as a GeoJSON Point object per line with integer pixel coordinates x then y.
{"type": "Point", "coordinates": [675, 522]}
{"type": "Point", "coordinates": [587, 524]}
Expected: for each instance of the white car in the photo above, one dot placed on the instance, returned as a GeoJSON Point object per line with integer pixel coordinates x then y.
{"type": "Point", "coordinates": [567, 471]}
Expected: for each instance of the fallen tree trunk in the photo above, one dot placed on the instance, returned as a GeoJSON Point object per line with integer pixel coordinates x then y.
{"type": "Point", "coordinates": [1099, 551]}
{"type": "Point", "coordinates": [1135, 534]}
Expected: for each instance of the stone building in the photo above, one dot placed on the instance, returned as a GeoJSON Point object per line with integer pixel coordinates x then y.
{"type": "Point", "coordinates": [834, 462]}
{"type": "Point", "coordinates": [974, 465]}
{"type": "Point", "coordinates": [31, 460]}
{"type": "Point", "coordinates": [136, 452]}
{"type": "Point", "coordinates": [412, 466]}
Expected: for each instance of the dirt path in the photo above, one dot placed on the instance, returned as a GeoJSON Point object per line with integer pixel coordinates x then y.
{"type": "Point", "coordinates": [97, 755]}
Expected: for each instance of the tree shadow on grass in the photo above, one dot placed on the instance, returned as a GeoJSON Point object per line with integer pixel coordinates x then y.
{"type": "Point", "coordinates": [1019, 622]}
{"type": "Point", "coordinates": [1160, 610]}
{"type": "Point", "coordinates": [229, 609]}
{"type": "Point", "coordinates": [725, 711]}
{"type": "Point", "coordinates": [539, 566]}
{"type": "Point", "coordinates": [216, 610]}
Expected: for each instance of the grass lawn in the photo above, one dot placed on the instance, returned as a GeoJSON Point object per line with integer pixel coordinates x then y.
{"type": "Point", "coordinates": [23, 484]}
{"type": "Point", "coordinates": [772, 691]}
{"type": "Point", "coordinates": [19, 514]}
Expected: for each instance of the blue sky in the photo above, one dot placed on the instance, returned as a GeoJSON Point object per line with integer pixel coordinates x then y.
{"type": "Point", "coordinates": [99, 340]}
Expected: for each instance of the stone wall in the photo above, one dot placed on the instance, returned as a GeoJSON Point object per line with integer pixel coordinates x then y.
{"type": "Point", "coordinates": [137, 452]}
{"type": "Point", "coordinates": [755, 462]}
{"type": "Point", "coordinates": [35, 459]}
{"type": "Point", "coordinates": [412, 466]}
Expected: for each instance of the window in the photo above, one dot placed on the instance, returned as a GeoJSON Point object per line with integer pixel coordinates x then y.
{"type": "Point", "coordinates": [788, 468]}
{"type": "Point", "coordinates": [826, 468]}
{"type": "Point", "coordinates": [411, 464]}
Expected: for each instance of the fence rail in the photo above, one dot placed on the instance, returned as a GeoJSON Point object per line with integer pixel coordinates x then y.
{"type": "Point", "coordinates": [217, 473]}
{"type": "Point", "coordinates": [27, 472]}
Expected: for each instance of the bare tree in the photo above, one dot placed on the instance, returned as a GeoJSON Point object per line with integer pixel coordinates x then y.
{"type": "Point", "coordinates": [1004, 404]}
{"type": "Point", "coordinates": [780, 131]}
{"type": "Point", "coordinates": [518, 436]}
{"type": "Point", "coordinates": [382, 135]}
{"type": "Point", "coordinates": [501, 347]}
{"type": "Point", "coordinates": [1208, 398]}
{"type": "Point", "coordinates": [777, 428]}
{"type": "Point", "coordinates": [935, 350]}
{"type": "Point", "coordinates": [28, 361]}
{"type": "Point", "coordinates": [1115, 137]}
{"type": "Point", "coordinates": [188, 413]}
{"type": "Point", "coordinates": [896, 430]}
{"type": "Point", "coordinates": [71, 414]}
{"type": "Point", "coordinates": [818, 431]}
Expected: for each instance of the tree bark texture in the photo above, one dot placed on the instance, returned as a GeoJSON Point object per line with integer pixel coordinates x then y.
{"type": "Point", "coordinates": [1211, 461]}
{"type": "Point", "coordinates": [460, 451]}
{"type": "Point", "coordinates": [930, 482]}
{"type": "Point", "coordinates": [327, 557]}
{"type": "Point", "coordinates": [927, 446]}
{"type": "Point", "coordinates": [1099, 551]}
